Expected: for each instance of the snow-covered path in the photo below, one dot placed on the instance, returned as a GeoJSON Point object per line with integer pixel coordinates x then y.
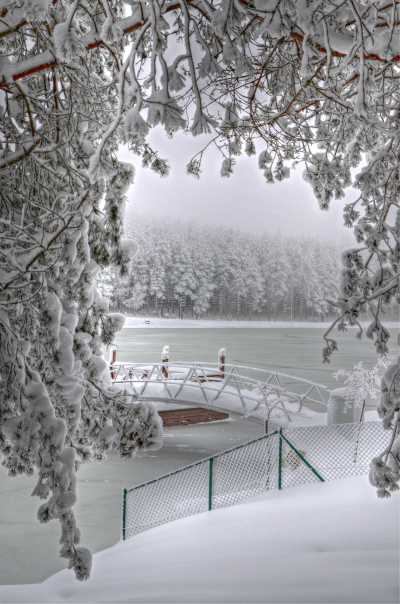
{"type": "Point", "coordinates": [331, 543]}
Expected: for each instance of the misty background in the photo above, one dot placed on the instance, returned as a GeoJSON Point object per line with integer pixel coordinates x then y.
{"type": "Point", "coordinates": [243, 201]}
{"type": "Point", "coordinates": [190, 270]}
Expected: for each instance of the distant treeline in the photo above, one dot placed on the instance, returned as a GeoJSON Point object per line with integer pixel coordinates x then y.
{"type": "Point", "coordinates": [195, 271]}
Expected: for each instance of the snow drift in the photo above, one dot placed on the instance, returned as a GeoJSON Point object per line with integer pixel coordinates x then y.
{"type": "Point", "coordinates": [320, 543]}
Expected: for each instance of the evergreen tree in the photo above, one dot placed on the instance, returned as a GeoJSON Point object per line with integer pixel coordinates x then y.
{"type": "Point", "coordinates": [209, 271]}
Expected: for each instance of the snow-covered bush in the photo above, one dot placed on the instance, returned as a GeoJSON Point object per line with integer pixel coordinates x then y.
{"type": "Point", "coordinates": [379, 385]}
{"type": "Point", "coordinates": [309, 81]}
{"type": "Point", "coordinates": [362, 384]}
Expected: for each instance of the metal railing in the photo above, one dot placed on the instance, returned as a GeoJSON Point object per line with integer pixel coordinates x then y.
{"type": "Point", "coordinates": [280, 459]}
{"type": "Point", "coordinates": [256, 391]}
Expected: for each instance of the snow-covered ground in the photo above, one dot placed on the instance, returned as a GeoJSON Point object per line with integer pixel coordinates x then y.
{"type": "Point", "coordinates": [157, 322]}
{"type": "Point", "coordinates": [332, 543]}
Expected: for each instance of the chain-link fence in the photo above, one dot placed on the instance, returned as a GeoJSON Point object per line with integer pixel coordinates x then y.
{"type": "Point", "coordinates": [335, 451]}
{"type": "Point", "coordinates": [281, 459]}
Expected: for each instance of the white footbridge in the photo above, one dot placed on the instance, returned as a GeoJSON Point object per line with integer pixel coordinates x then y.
{"type": "Point", "coordinates": [241, 389]}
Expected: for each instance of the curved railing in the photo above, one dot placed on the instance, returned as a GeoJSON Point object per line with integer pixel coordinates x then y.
{"type": "Point", "coordinates": [247, 390]}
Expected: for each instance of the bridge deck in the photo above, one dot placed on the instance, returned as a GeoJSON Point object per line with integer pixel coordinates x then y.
{"type": "Point", "coordinates": [192, 415]}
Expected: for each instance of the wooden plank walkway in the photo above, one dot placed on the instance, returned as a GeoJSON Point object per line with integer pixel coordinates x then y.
{"type": "Point", "coordinates": [191, 415]}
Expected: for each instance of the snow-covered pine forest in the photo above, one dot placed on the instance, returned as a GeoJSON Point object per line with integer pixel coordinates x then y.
{"type": "Point", "coordinates": [187, 270]}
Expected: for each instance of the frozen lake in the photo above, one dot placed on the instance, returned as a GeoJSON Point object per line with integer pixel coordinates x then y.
{"type": "Point", "coordinates": [293, 350]}
{"type": "Point", "coordinates": [29, 551]}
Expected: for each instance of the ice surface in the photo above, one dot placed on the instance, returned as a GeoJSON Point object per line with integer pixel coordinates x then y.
{"type": "Point", "coordinates": [29, 550]}
{"type": "Point", "coordinates": [295, 351]}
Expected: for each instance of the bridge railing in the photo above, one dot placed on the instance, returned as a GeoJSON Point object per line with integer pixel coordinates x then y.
{"type": "Point", "coordinates": [178, 369]}
{"type": "Point", "coordinates": [278, 460]}
{"type": "Point", "coordinates": [203, 384]}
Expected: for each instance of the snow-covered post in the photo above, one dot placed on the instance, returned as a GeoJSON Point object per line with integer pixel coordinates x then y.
{"type": "Point", "coordinates": [280, 460]}
{"type": "Point", "coordinates": [210, 483]}
{"type": "Point", "coordinates": [165, 361]}
{"type": "Point", "coordinates": [340, 409]}
{"type": "Point", "coordinates": [267, 416]}
{"type": "Point", "coordinates": [124, 497]}
{"type": "Point", "coordinates": [113, 360]}
{"type": "Point", "coordinates": [221, 361]}
{"type": "Point", "coordinates": [360, 424]}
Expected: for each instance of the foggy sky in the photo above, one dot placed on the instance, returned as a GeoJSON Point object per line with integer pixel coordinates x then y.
{"type": "Point", "coordinates": [243, 201]}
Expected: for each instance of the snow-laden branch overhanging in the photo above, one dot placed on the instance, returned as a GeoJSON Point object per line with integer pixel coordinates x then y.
{"type": "Point", "coordinates": [385, 48]}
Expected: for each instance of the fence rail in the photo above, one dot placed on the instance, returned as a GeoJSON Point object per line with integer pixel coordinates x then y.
{"type": "Point", "coordinates": [281, 459]}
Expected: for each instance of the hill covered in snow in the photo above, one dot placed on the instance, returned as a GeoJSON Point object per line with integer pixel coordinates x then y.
{"type": "Point", "coordinates": [330, 543]}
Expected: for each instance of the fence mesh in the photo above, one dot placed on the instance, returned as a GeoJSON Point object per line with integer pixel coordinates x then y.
{"type": "Point", "coordinates": [245, 471]}
{"type": "Point", "coordinates": [336, 451]}
{"type": "Point", "coordinates": [177, 495]}
{"type": "Point", "coordinates": [330, 452]}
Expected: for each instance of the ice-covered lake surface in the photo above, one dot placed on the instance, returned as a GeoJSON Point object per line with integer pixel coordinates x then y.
{"type": "Point", "coordinates": [29, 550]}
{"type": "Point", "coordinates": [290, 348]}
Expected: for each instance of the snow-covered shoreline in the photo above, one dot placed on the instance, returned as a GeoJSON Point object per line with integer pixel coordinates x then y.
{"type": "Point", "coordinates": [157, 322]}
{"type": "Point", "coordinates": [328, 543]}
{"type": "Point", "coordinates": [132, 322]}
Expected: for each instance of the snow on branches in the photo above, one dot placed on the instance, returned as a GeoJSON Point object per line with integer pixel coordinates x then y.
{"type": "Point", "coordinates": [385, 468]}
{"type": "Point", "coordinates": [298, 81]}
{"type": "Point", "coordinates": [362, 384]}
{"type": "Point", "coordinates": [218, 272]}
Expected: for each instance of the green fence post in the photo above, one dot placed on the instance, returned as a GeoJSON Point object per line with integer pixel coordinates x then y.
{"type": "Point", "coordinates": [210, 482]}
{"type": "Point", "coordinates": [124, 496]}
{"type": "Point", "coordinates": [303, 459]}
{"type": "Point", "coordinates": [280, 460]}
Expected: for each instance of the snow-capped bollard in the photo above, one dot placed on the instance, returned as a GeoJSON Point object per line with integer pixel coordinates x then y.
{"type": "Point", "coordinates": [113, 360]}
{"type": "Point", "coordinates": [221, 361]}
{"type": "Point", "coordinates": [340, 408]}
{"type": "Point", "coordinates": [165, 361]}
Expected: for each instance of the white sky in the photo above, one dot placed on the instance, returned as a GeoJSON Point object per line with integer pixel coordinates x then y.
{"type": "Point", "coordinates": [243, 201]}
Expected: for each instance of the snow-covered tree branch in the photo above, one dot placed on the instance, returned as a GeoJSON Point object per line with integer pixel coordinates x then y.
{"type": "Point", "coordinates": [293, 81]}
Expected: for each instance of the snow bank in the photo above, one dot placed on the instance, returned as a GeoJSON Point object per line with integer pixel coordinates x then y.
{"type": "Point", "coordinates": [333, 543]}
